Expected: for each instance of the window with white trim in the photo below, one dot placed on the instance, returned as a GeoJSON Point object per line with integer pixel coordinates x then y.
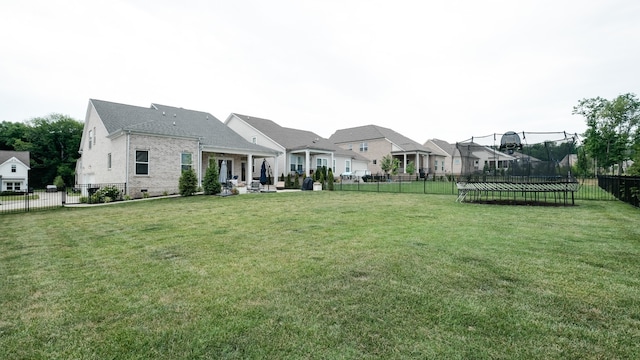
{"type": "Point", "coordinates": [186, 161]}
{"type": "Point", "coordinates": [14, 168]}
{"type": "Point", "coordinates": [109, 161]}
{"type": "Point", "coordinates": [90, 138]}
{"type": "Point", "coordinates": [142, 162]}
{"type": "Point", "coordinates": [296, 164]}
{"type": "Point", "coordinates": [347, 165]}
{"type": "Point", "coordinates": [364, 146]}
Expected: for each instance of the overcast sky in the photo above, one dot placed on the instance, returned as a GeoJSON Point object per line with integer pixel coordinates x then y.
{"type": "Point", "coordinates": [426, 69]}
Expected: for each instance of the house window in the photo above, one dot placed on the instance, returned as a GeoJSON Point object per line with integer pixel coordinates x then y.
{"type": "Point", "coordinates": [90, 138]}
{"type": "Point", "coordinates": [320, 162]}
{"type": "Point", "coordinates": [13, 168]}
{"type": "Point", "coordinates": [364, 146]}
{"type": "Point", "coordinates": [142, 162]}
{"type": "Point", "coordinates": [296, 164]}
{"type": "Point", "coordinates": [333, 166]}
{"type": "Point", "coordinates": [347, 165]}
{"type": "Point", "coordinates": [109, 161]}
{"type": "Point", "coordinates": [375, 161]}
{"type": "Point", "coordinates": [94, 136]}
{"type": "Point", "coordinates": [11, 186]}
{"type": "Point", "coordinates": [350, 147]}
{"type": "Point", "coordinates": [254, 140]}
{"type": "Point", "coordinates": [186, 161]}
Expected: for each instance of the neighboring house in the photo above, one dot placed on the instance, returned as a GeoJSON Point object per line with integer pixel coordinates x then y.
{"type": "Point", "coordinates": [14, 170]}
{"type": "Point", "coordinates": [147, 148]}
{"type": "Point", "coordinates": [476, 158]}
{"type": "Point", "coordinates": [302, 151]}
{"type": "Point", "coordinates": [374, 142]}
{"type": "Point", "coordinates": [441, 159]}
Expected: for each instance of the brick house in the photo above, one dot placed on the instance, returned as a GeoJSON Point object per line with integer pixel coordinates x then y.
{"type": "Point", "coordinates": [374, 142]}
{"type": "Point", "coordinates": [147, 148]}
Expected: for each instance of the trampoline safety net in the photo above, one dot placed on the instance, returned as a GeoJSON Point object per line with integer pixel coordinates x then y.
{"type": "Point", "coordinates": [517, 168]}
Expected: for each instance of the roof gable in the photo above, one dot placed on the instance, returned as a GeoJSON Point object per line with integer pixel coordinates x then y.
{"type": "Point", "coordinates": [290, 139]}
{"type": "Point", "coordinates": [373, 132]}
{"type": "Point", "coordinates": [442, 146]}
{"type": "Point", "coordinates": [171, 121]}
{"type": "Point", "coordinates": [22, 156]}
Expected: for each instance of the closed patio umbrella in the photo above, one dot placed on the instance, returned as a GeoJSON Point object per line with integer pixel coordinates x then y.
{"type": "Point", "coordinates": [223, 172]}
{"type": "Point", "coordinates": [263, 173]}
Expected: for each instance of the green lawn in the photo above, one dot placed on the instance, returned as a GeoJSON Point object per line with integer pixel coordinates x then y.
{"type": "Point", "coordinates": [321, 275]}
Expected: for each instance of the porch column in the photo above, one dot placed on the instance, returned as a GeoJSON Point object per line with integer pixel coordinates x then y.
{"type": "Point", "coordinates": [404, 164]}
{"type": "Point", "coordinates": [250, 168]}
{"type": "Point", "coordinates": [275, 165]}
{"type": "Point", "coordinates": [307, 160]}
{"type": "Point", "coordinates": [417, 161]}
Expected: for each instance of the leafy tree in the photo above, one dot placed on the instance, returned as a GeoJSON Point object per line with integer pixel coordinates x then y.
{"type": "Point", "coordinates": [411, 168]}
{"type": "Point", "coordinates": [52, 142]}
{"type": "Point", "coordinates": [389, 165]}
{"type": "Point", "coordinates": [59, 182]}
{"type": "Point", "coordinates": [612, 128]}
{"type": "Point", "coordinates": [582, 168]}
{"type": "Point", "coordinates": [211, 182]}
{"type": "Point", "coordinates": [188, 183]}
{"type": "Point", "coordinates": [11, 134]}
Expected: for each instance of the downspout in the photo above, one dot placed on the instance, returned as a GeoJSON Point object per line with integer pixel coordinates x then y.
{"type": "Point", "coordinates": [199, 162]}
{"type": "Point", "coordinates": [126, 168]}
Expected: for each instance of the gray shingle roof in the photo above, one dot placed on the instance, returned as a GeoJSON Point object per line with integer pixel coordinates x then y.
{"type": "Point", "coordinates": [372, 132]}
{"type": "Point", "coordinates": [23, 156]}
{"type": "Point", "coordinates": [445, 146]}
{"type": "Point", "coordinates": [291, 139]}
{"type": "Point", "coordinates": [173, 122]}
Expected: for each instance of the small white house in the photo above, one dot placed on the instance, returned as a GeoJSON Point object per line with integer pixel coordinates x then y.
{"type": "Point", "coordinates": [14, 170]}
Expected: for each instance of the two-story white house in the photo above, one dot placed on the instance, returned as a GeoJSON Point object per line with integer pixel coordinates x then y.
{"type": "Point", "coordinates": [14, 170]}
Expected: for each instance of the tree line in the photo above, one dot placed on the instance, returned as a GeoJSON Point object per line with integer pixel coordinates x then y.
{"type": "Point", "coordinates": [613, 132]}
{"type": "Point", "coordinates": [53, 143]}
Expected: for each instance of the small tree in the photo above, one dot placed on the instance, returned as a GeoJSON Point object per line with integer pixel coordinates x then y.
{"type": "Point", "coordinates": [211, 182]}
{"type": "Point", "coordinates": [411, 168]}
{"type": "Point", "coordinates": [389, 165]}
{"type": "Point", "coordinates": [58, 182]}
{"type": "Point", "coordinates": [188, 183]}
{"type": "Point", "coordinates": [330, 180]}
{"type": "Point", "coordinates": [296, 182]}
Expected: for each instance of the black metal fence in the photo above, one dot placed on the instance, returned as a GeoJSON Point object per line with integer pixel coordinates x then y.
{"type": "Point", "coordinates": [588, 189]}
{"type": "Point", "coordinates": [624, 188]}
{"type": "Point", "coordinates": [96, 193]}
{"type": "Point", "coordinates": [31, 201]}
{"type": "Point", "coordinates": [36, 200]}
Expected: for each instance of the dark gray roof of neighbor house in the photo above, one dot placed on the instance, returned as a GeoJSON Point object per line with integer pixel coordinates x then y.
{"type": "Point", "coordinates": [291, 139]}
{"type": "Point", "coordinates": [448, 148]}
{"type": "Point", "coordinates": [173, 122]}
{"type": "Point", "coordinates": [23, 156]}
{"type": "Point", "coordinates": [373, 132]}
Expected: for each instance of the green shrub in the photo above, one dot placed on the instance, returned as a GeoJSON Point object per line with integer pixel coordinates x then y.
{"type": "Point", "coordinates": [58, 182]}
{"type": "Point", "coordinates": [330, 180]}
{"type": "Point", "coordinates": [188, 183]}
{"type": "Point", "coordinates": [211, 182]}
